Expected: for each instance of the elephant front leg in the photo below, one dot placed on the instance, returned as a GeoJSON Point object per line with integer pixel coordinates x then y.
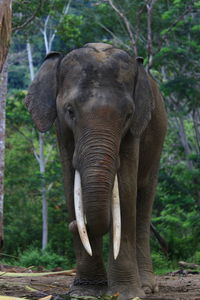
{"type": "Point", "coordinates": [123, 275]}
{"type": "Point", "coordinates": [91, 278]}
{"type": "Point", "coordinates": [144, 207]}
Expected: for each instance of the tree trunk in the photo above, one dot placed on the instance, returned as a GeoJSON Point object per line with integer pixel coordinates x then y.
{"type": "Point", "coordinates": [127, 25]}
{"type": "Point", "coordinates": [44, 193]}
{"type": "Point", "coordinates": [161, 241]}
{"type": "Point", "coordinates": [30, 60]}
{"type": "Point", "coordinates": [184, 141]}
{"type": "Point", "coordinates": [196, 125]}
{"type": "Point", "coordinates": [5, 33]}
{"type": "Point", "coordinates": [3, 92]}
{"type": "Point", "coordinates": [149, 7]}
{"type": "Point", "coordinates": [5, 30]}
{"type": "Point", "coordinates": [41, 161]}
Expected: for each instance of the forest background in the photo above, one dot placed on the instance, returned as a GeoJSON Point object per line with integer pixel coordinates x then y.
{"type": "Point", "coordinates": [167, 34]}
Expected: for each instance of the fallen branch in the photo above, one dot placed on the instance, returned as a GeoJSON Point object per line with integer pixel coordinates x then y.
{"type": "Point", "coordinates": [30, 289]}
{"type": "Point", "coordinates": [8, 255]}
{"type": "Point", "coordinates": [46, 298]}
{"type": "Point", "coordinates": [186, 265]}
{"type": "Point", "coordinates": [64, 273]}
{"type": "Point", "coordinates": [11, 298]}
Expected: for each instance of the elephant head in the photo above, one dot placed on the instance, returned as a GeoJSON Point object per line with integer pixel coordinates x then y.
{"type": "Point", "coordinates": [98, 94]}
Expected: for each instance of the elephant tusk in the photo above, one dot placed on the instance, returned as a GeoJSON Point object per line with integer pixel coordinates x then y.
{"type": "Point", "coordinates": [78, 204]}
{"type": "Point", "coordinates": [116, 216]}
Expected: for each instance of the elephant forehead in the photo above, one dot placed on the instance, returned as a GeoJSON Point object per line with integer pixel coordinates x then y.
{"type": "Point", "coordinates": [85, 66]}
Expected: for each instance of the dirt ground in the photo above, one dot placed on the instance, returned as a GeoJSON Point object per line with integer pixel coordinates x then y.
{"type": "Point", "coordinates": [171, 287]}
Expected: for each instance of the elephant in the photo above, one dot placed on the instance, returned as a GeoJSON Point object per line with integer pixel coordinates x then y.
{"type": "Point", "coordinates": [110, 124]}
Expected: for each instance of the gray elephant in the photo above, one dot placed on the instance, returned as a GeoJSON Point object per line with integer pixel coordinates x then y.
{"type": "Point", "coordinates": [111, 123]}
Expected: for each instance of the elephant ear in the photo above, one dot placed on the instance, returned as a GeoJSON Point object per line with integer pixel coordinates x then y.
{"type": "Point", "coordinates": [41, 98]}
{"type": "Point", "coordinates": [143, 100]}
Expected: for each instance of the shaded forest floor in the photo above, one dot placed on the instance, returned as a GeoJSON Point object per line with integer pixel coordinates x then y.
{"type": "Point", "coordinates": [171, 287]}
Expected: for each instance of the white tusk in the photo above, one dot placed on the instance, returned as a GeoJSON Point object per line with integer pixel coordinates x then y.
{"type": "Point", "coordinates": [78, 204]}
{"type": "Point", "coordinates": [116, 216]}
{"type": "Point", "coordinates": [85, 220]}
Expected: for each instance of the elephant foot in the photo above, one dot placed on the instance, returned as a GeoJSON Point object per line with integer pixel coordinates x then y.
{"type": "Point", "coordinates": [149, 283]}
{"type": "Point", "coordinates": [84, 287]}
{"type": "Point", "coordinates": [126, 292]}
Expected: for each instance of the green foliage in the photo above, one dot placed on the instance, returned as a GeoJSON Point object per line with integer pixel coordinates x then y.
{"type": "Point", "coordinates": [176, 210]}
{"type": "Point", "coordinates": [70, 29]}
{"type": "Point", "coordinates": [196, 257]}
{"type": "Point", "coordinates": [161, 264]}
{"type": "Point", "coordinates": [22, 186]}
{"type": "Point", "coordinates": [46, 259]}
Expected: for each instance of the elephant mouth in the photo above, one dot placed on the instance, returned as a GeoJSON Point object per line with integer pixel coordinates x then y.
{"type": "Point", "coordinates": [81, 218]}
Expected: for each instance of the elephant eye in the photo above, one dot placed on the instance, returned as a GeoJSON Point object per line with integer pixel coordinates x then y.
{"type": "Point", "coordinates": [70, 112]}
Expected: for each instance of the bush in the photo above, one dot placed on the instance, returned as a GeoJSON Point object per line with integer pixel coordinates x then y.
{"type": "Point", "coordinates": [160, 263]}
{"type": "Point", "coordinates": [196, 258]}
{"type": "Point", "coordinates": [45, 258]}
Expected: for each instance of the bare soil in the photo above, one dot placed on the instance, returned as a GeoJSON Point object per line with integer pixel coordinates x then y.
{"type": "Point", "coordinates": [183, 286]}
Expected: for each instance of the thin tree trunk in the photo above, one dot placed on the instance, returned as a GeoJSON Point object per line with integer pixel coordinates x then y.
{"type": "Point", "coordinates": [5, 34]}
{"type": "Point", "coordinates": [149, 7]}
{"type": "Point", "coordinates": [164, 245]}
{"type": "Point", "coordinates": [44, 193]}
{"type": "Point", "coordinates": [184, 142]}
{"type": "Point", "coordinates": [41, 161]}
{"type": "Point", "coordinates": [196, 125]}
{"type": "Point", "coordinates": [30, 60]}
{"type": "Point", "coordinates": [50, 36]}
{"type": "Point", "coordinates": [3, 92]}
{"type": "Point", "coordinates": [127, 25]}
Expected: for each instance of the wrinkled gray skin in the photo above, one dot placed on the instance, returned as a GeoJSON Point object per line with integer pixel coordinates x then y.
{"type": "Point", "coordinates": [110, 119]}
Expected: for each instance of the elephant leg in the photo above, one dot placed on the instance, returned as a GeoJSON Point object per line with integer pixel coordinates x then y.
{"type": "Point", "coordinates": [147, 180]}
{"type": "Point", "coordinates": [91, 278]}
{"type": "Point", "coordinates": [149, 158]}
{"type": "Point", "coordinates": [144, 207]}
{"type": "Point", "coordinates": [123, 276]}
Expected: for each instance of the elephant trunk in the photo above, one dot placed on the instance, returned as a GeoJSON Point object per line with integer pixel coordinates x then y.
{"type": "Point", "coordinates": [97, 191]}
{"type": "Point", "coordinates": [97, 164]}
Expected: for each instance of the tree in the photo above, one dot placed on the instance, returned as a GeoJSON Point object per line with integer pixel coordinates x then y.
{"type": "Point", "coordinates": [5, 30]}
{"type": "Point", "coordinates": [5, 33]}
